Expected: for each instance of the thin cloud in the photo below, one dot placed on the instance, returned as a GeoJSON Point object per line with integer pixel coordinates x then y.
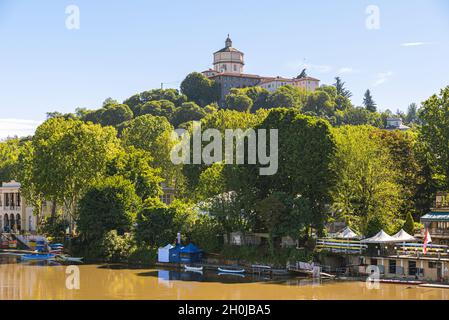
{"type": "Point", "coordinates": [347, 70]}
{"type": "Point", "coordinates": [382, 77]}
{"type": "Point", "coordinates": [415, 44]}
{"type": "Point", "coordinates": [17, 127]}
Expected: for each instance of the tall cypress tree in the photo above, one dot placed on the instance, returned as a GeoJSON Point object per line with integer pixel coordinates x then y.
{"type": "Point", "coordinates": [368, 102]}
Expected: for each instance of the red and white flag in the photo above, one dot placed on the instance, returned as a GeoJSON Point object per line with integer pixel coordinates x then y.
{"type": "Point", "coordinates": [427, 239]}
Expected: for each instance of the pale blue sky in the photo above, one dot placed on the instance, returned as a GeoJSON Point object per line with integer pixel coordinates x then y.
{"type": "Point", "coordinates": [124, 47]}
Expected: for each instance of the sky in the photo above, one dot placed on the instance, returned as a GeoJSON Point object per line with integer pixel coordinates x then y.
{"type": "Point", "coordinates": [398, 49]}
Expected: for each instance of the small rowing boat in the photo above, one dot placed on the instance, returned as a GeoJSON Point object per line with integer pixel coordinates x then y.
{"type": "Point", "coordinates": [38, 256]}
{"type": "Point", "coordinates": [231, 270]}
{"type": "Point", "coordinates": [66, 258]}
{"type": "Point", "coordinates": [195, 269]}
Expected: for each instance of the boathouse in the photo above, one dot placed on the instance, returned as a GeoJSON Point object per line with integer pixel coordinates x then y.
{"type": "Point", "coordinates": [190, 254]}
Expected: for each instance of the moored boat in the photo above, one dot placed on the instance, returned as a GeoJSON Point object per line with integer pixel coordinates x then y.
{"type": "Point", "coordinates": [230, 270]}
{"type": "Point", "coordinates": [65, 258]}
{"type": "Point", "coordinates": [195, 269]}
{"type": "Point", "coordinates": [38, 256]}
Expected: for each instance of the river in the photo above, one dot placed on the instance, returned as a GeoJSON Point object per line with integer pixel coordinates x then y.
{"type": "Point", "coordinates": [25, 281]}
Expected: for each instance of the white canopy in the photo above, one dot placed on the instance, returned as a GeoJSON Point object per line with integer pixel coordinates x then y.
{"type": "Point", "coordinates": [164, 253]}
{"type": "Point", "coordinates": [347, 233]}
{"type": "Point", "coordinates": [381, 237]}
{"type": "Point", "coordinates": [404, 236]}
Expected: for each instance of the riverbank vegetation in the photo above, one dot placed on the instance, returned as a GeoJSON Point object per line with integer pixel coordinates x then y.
{"type": "Point", "coordinates": [104, 171]}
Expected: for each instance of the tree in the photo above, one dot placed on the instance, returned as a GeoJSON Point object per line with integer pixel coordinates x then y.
{"type": "Point", "coordinates": [409, 224]}
{"type": "Point", "coordinates": [303, 74]}
{"type": "Point", "coordinates": [341, 90]}
{"type": "Point", "coordinates": [158, 224]}
{"type": "Point", "coordinates": [435, 133]}
{"type": "Point", "coordinates": [9, 156]}
{"type": "Point", "coordinates": [67, 157]}
{"type": "Point", "coordinates": [111, 204]}
{"type": "Point", "coordinates": [366, 188]}
{"type": "Point", "coordinates": [163, 108]}
{"type": "Point", "coordinates": [200, 89]}
{"type": "Point", "coordinates": [288, 97]}
{"type": "Point", "coordinates": [135, 165]}
{"type": "Point", "coordinates": [368, 102]}
{"type": "Point", "coordinates": [305, 150]}
{"type": "Point", "coordinates": [154, 135]}
{"type": "Point", "coordinates": [188, 111]}
{"type": "Point", "coordinates": [412, 114]}
{"type": "Point", "coordinates": [239, 102]}
{"type": "Point", "coordinates": [110, 115]}
{"type": "Point", "coordinates": [319, 103]}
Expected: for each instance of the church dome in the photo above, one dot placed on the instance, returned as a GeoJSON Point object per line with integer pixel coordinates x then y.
{"type": "Point", "coordinates": [228, 59]}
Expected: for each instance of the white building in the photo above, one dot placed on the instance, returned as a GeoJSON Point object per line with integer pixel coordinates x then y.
{"type": "Point", "coordinates": [271, 84]}
{"type": "Point", "coordinates": [396, 124]}
{"type": "Point", "coordinates": [15, 215]}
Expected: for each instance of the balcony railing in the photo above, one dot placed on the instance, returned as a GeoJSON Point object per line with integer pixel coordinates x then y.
{"type": "Point", "coordinates": [436, 232]}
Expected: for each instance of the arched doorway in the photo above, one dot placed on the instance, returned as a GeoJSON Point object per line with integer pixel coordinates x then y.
{"type": "Point", "coordinates": [6, 223]}
{"type": "Point", "coordinates": [18, 222]}
{"type": "Point", "coordinates": [12, 222]}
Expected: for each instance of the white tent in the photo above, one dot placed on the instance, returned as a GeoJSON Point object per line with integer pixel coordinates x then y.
{"type": "Point", "coordinates": [163, 254]}
{"type": "Point", "coordinates": [403, 236]}
{"type": "Point", "coordinates": [381, 237]}
{"type": "Point", "coordinates": [347, 233]}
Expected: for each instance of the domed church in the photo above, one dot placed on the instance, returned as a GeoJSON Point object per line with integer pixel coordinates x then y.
{"type": "Point", "coordinates": [228, 59]}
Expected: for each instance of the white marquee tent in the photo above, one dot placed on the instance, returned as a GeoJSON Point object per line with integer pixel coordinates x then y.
{"type": "Point", "coordinates": [347, 233]}
{"type": "Point", "coordinates": [403, 236]}
{"type": "Point", "coordinates": [163, 254]}
{"type": "Point", "coordinates": [381, 237]}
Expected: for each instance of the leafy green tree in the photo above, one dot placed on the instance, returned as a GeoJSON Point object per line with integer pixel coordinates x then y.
{"type": "Point", "coordinates": [366, 188]}
{"type": "Point", "coordinates": [319, 103]}
{"type": "Point", "coordinates": [200, 89]}
{"type": "Point", "coordinates": [288, 97]}
{"type": "Point", "coordinates": [259, 96]}
{"type": "Point", "coordinates": [67, 157]}
{"type": "Point", "coordinates": [205, 233]}
{"type": "Point", "coordinates": [9, 157]}
{"type": "Point", "coordinates": [239, 102]}
{"type": "Point", "coordinates": [163, 108]}
{"type": "Point", "coordinates": [158, 224]}
{"type": "Point", "coordinates": [110, 115]}
{"type": "Point", "coordinates": [154, 135]}
{"type": "Point", "coordinates": [135, 165]}
{"type": "Point", "coordinates": [305, 151]}
{"type": "Point", "coordinates": [111, 204]}
{"type": "Point", "coordinates": [434, 133]}
{"type": "Point", "coordinates": [188, 111]}
{"type": "Point", "coordinates": [368, 102]}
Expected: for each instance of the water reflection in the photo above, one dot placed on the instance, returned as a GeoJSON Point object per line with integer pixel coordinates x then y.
{"type": "Point", "coordinates": [43, 280]}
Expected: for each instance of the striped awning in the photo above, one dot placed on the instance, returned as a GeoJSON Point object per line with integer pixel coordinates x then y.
{"type": "Point", "coordinates": [435, 217]}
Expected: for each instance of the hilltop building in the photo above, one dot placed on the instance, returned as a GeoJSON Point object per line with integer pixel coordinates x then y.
{"type": "Point", "coordinates": [396, 124]}
{"type": "Point", "coordinates": [228, 71]}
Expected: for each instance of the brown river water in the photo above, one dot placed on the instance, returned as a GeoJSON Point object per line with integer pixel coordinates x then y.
{"type": "Point", "coordinates": [46, 281]}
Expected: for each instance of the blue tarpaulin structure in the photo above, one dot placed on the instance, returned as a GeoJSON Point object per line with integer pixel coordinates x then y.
{"type": "Point", "coordinates": [190, 254]}
{"type": "Point", "coordinates": [174, 255]}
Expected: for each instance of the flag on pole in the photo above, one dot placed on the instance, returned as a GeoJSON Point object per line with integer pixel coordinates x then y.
{"type": "Point", "coordinates": [427, 239]}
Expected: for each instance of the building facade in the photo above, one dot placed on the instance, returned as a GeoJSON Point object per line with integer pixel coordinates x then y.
{"type": "Point", "coordinates": [437, 220]}
{"type": "Point", "coordinates": [15, 215]}
{"type": "Point", "coordinates": [228, 72]}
